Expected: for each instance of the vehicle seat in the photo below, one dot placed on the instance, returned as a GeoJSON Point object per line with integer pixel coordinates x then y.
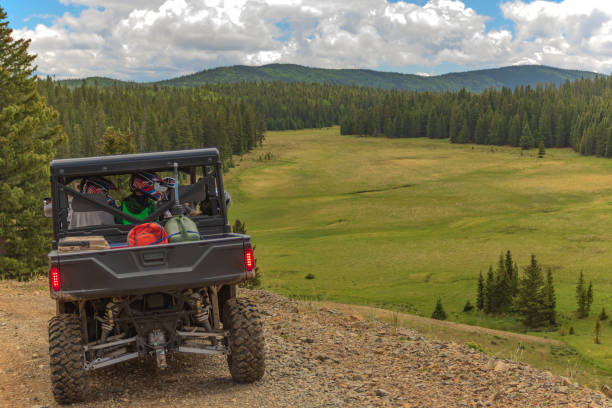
{"type": "Point", "coordinates": [84, 214]}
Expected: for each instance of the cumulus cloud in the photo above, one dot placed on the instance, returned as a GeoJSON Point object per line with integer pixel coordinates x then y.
{"type": "Point", "coordinates": [154, 39]}
{"type": "Point", "coordinates": [573, 33]}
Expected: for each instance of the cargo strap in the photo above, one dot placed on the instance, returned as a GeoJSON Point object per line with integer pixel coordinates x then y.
{"type": "Point", "coordinates": [171, 235]}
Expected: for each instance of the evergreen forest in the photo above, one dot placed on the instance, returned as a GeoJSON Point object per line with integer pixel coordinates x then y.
{"type": "Point", "coordinates": [234, 116]}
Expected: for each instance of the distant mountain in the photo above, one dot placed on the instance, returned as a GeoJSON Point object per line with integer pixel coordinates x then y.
{"type": "Point", "coordinates": [99, 81]}
{"type": "Point", "coordinates": [476, 81]}
{"type": "Point", "coordinates": [472, 80]}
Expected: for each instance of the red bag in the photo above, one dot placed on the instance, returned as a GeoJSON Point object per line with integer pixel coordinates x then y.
{"type": "Point", "coordinates": [150, 233]}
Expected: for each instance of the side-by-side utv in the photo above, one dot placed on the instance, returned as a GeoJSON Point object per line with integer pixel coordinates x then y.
{"type": "Point", "coordinates": [117, 302]}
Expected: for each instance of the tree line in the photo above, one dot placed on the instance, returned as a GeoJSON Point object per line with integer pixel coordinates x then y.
{"type": "Point", "coordinates": [576, 114]}
{"type": "Point", "coordinates": [159, 118]}
{"type": "Point", "coordinates": [234, 116]}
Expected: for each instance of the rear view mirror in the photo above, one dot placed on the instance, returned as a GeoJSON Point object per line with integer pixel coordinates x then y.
{"type": "Point", "coordinates": [47, 207]}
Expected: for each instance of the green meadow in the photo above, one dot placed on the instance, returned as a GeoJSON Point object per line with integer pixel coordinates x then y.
{"type": "Point", "coordinates": [397, 223]}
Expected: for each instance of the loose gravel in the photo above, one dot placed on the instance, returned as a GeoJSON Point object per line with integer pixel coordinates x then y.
{"type": "Point", "coordinates": [315, 357]}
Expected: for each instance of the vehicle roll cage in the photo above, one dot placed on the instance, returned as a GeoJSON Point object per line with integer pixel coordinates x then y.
{"type": "Point", "coordinates": [65, 171]}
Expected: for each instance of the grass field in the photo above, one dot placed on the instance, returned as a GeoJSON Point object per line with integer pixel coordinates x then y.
{"type": "Point", "coordinates": [397, 223]}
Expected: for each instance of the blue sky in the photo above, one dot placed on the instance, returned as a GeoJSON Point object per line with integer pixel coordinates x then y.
{"type": "Point", "coordinates": [30, 13]}
{"type": "Point", "coordinates": [124, 39]}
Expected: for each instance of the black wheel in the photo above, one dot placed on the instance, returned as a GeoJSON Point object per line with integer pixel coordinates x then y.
{"type": "Point", "coordinates": [67, 359]}
{"type": "Point", "coordinates": [246, 360]}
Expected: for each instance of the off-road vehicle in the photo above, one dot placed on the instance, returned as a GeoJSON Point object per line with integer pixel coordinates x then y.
{"type": "Point", "coordinates": [117, 302]}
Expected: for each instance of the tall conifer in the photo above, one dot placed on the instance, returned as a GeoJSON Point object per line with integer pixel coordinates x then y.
{"type": "Point", "coordinates": [589, 298]}
{"type": "Point", "coordinates": [28, 137]}
{"type": "Point", "coordinates": [531, 302]}
{"type": "Point", "coordinates": [489, 305]}
{"type": "Point", "coordinates": [550, 297]}
{"type": "Point", "coordinates": [480, 296]}
{"type": "Point", "coordinates": [526, 140]}
{"type": "Point", "coordinates": [581, 297]}
{"type": "Point", "coordinates": [503, 287]}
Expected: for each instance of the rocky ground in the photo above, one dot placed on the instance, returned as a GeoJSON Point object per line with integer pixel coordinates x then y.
{"type": "Point", "coordinates": [316, 357]}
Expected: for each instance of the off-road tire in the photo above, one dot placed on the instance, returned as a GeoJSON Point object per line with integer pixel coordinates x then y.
{"type": "Point", "coordinates": [67, 359]}
{"type": "Point", "coordinates": [246, 360]}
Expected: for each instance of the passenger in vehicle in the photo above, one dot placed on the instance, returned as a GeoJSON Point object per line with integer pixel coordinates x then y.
{"type": "Point", "coordinates": [93, 185]}
{"type": "Point", "coordinates": [147, 190]}
{"type": "Point", "coordinates": [206, 205]}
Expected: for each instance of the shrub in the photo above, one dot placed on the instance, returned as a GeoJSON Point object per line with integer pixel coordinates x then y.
{"type": "Point", "coordinates": [572, 332]}
{"type": "Point", "coordinates": [439, 313]}
{"type": "Point", "coordinates": [309, 276]}
{"type": "Point", "coordinates": [475, 346]}
{"type": "Point", "coordinates": [598, 332]}
{"type": "Point", "coordinates": [468, 307]}
{"type": "Point", "coordinates": [603, 316]}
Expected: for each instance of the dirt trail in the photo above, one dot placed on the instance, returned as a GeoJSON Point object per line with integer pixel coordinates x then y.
{"type": "Point", "coordinates": [316, 357]}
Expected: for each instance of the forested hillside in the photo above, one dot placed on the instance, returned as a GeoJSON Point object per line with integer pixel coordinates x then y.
{"type": "Point", "coordinates": [475, 81]}
{"type": "Point", "coordinates": [233, 116]}
{"type": "Point", "coordinates": [158, 118]}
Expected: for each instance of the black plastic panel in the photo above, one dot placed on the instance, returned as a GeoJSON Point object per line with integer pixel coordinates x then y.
{"type": "Point", "coordinates": [114, 272]}
{"type": "Point", "coordinates": [127, 163]}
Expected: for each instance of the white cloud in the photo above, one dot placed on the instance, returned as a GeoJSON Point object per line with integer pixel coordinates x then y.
{"type": "Point", "coordinates": [154, 39]}
{"type": "Point", "coordinates": [573, 33]}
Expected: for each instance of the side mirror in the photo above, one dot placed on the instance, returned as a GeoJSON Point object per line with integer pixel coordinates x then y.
{"type": "Point", "coordinates": [47, 207]}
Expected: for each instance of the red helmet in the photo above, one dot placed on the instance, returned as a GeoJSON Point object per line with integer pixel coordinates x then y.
{"type": "Point", "coordinates": [98, 185]}
{"type": "Point", "coordinates": [149, 184]}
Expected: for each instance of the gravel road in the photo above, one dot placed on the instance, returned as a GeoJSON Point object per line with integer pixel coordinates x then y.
{"type": "Point", "coordinates": [316, 357]}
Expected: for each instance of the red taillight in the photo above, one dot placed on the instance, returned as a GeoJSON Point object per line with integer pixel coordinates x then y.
{"type": "Point", "coordinates": [249, 261]}
{"type": "Point", "coordinates": [54, 278]}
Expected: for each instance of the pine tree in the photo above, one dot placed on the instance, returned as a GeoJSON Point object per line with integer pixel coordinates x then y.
{"type": "Point", "coordinates": [481, 132]}
{"type": "Point", "coordinates": [514, 132]}
{"type": "Point", "coordinates": [28, 137]}
{"type": "Point", "coordinates": [589, 298]}
{"type": "Point", "coordinates": [515, 279]}
{"type": "Point", "coordinates": [116, 142]}
{"type": "Point", "coordinates": [439, 312]}
{"type": "Point", "coordinates": [581, 298]}
{"type": "Point", "coordinates": [468, 307]}
{"type": "Point", "coordinates": [532, 302]}
{"type": "Point", "coordinates": [501, 298]}
{"type": "Point", "coordinates": [545, 125]}
{"type": "Point", "coordinates": [497, 132]}
{"type": "Point", "coordinates": [509, 264]}
{"type": "Point", "coordinates": [541, 149]}
{"type": "Point", "coordinates": [480, 296]}
{"type": "Point", "coordinates": [526, 140]}
{"type": "Point", "coordinates": [464, 133]}
{"type": "Point", "coordinates": [489, 304]}
{"type": "Point", "coordinates": [551, 301]}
